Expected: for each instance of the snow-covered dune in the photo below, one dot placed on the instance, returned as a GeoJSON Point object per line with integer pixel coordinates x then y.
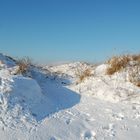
{"type": "Point", "coordinates": [47, 103]}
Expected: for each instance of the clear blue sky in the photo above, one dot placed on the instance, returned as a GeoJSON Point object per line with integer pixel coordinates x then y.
{"type": "Point", "coordinates": [65, 30]}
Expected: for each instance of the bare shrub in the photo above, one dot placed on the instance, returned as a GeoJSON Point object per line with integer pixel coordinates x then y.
{"type": "Point", "coordinates": [82, 74]}
{"type": "Point", "coordinates": [23, 65]}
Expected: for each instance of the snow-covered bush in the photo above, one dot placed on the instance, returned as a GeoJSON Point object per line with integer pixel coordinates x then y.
{"type": "Point", "coordinates": [134, 75]}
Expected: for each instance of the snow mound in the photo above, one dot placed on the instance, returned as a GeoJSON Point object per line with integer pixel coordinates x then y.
{"type": "Point", "coordinates": [20, 100]}
{"type": "Point", "coordinates": [100, 70]}
{"type": "Point", "coordinates": [26, 88]}
{"type": "Point", "coordinates": [114, 88]}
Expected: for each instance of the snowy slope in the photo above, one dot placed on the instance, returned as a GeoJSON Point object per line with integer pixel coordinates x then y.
{"type": "Point", "coordinates": [51, 106]}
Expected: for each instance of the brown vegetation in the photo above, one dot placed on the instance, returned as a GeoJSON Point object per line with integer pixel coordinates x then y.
{"type": "Point", "coordinates": [82, 74]}
{"type": "Point", "coordinates": [118, 63]}
{"type": "Point", "coordinates": [23, 65]}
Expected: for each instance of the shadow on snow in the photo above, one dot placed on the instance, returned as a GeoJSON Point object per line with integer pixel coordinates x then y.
{"type": "Point", "coordinates": [57, 97]}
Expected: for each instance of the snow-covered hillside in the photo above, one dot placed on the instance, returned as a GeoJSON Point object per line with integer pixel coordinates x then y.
{"type": "Point", "coordinates": [47, 103]}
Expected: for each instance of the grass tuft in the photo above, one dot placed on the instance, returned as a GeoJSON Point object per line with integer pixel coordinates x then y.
{"type": "Point", "coordinates": [117, 63]}
{"type": "Point", "coordinates": [23, 65]}
{"type": "Point", "coordinates": [82, 74]}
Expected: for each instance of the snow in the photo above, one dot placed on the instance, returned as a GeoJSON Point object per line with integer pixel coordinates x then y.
{"type": "Point", "coordinates": [6, 61]}
{"type": "Point", "coordinates": [51, 106]}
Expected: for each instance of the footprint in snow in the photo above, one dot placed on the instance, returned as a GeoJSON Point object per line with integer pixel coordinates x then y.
{"type": "Point", "coordinates": [89, 135]}
{"type": "Point", "coordinates": [68, 121]}
{"type": "Point", "coordinates": [118, 117]}
{"type": "Point", "coordinates": [124, 127]}
{"type": "Point", "coordinates": [53, 138]}
{"type": "Point", "coordinates": [110, 129]}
